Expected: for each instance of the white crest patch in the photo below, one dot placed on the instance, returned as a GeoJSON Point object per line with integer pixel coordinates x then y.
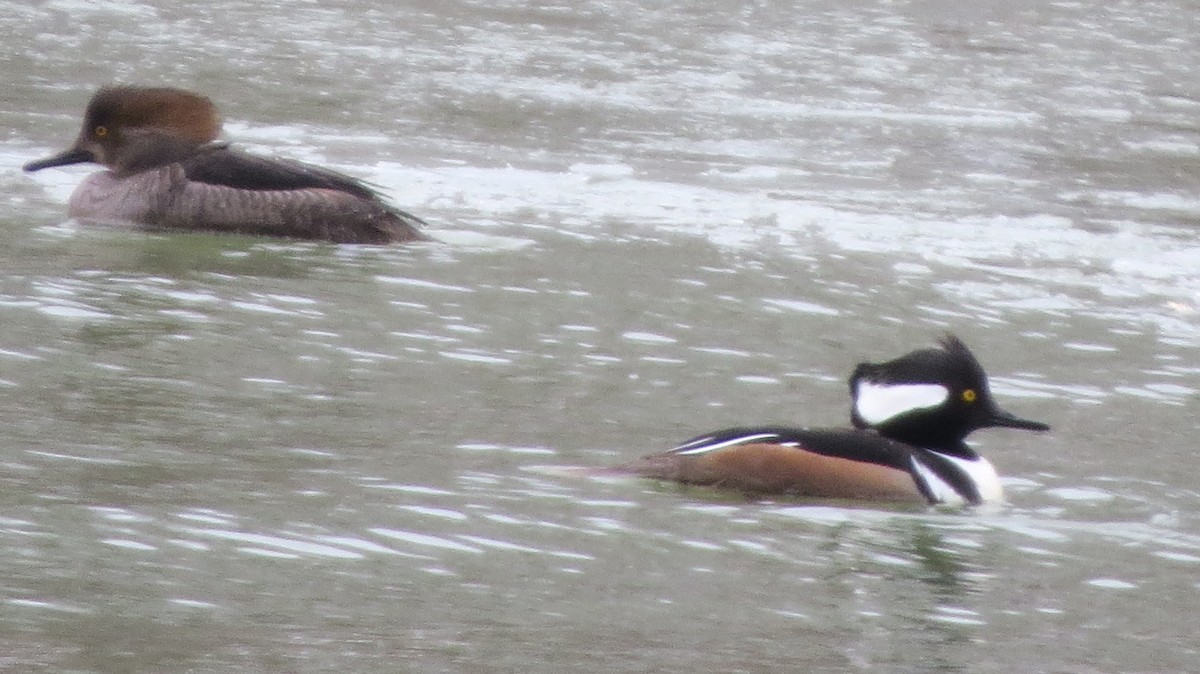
{"type": "Point", "coordinates": [876, 403]}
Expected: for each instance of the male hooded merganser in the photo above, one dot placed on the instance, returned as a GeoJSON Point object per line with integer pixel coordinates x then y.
{"type": "Point", "coordinates": [910, 415]}
{"type": "Point", "coordinates": [166, 170]}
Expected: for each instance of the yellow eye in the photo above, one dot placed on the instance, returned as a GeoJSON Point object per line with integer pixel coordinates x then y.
{"type": "Point", "coordinates": [100, 131]}
{"type": "Point", "coordinates": [969, 395]}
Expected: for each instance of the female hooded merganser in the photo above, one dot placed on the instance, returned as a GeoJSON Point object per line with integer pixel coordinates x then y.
{"type": "Point", "coordinates": [910, 415]}
{"type": "Point", "coordinates": [166, 170]}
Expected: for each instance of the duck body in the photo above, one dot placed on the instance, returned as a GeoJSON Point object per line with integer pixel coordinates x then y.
{"type": "Point", "coordinates": [825, 463]}
{"type": "Point", "coordinates": [911, 416]}
{"type": "Point", "coordinates": [167, 171]}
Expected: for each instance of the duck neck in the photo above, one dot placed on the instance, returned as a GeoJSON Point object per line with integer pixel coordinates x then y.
{"type": "Point", "coordinates": [937, 437]}
{"type": "Point", "coordinates": [143, 150]}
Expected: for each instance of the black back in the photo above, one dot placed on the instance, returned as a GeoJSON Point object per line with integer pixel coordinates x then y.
{"type": "Point", "coordinates": [218, 164]}
{"type": "Point", "coordinates": [859, 445]}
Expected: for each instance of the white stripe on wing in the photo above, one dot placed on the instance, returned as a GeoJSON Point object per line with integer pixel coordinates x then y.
{"type": "Point", "coordinates": [706, 444]}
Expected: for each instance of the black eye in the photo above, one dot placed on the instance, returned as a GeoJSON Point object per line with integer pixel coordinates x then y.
{"type": "Point", "coordinates": [100, 131]}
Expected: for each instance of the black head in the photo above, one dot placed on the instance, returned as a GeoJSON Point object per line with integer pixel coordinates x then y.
{"type": "Point", "coordinates": [931, 397]}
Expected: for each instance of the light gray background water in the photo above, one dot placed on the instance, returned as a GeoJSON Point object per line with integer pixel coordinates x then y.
{"type": "Point", "coordinates": [660, 218]}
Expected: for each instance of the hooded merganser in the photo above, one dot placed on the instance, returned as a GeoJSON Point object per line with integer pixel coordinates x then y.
{"type": "Point", "coordinates": [166, 170]}
{"type": "Point", "coordinates": [910, 415]}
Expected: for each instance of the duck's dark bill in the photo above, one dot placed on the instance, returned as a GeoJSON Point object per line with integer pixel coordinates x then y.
{"type": "Point", "coordinates": [1006, 420]}
{"type": "Point", "coordinates": [64, 158]}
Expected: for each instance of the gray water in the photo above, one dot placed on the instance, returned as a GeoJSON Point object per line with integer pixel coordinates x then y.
{"type": "Point", "coordinates": [657, 219]}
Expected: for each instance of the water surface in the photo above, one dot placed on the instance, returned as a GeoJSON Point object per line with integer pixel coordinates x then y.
{"type": "Point", "coordinates": [228, 454]}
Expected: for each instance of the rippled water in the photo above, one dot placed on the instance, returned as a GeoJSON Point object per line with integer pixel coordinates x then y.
{"type": "Point", "coordinates": [227, 454]}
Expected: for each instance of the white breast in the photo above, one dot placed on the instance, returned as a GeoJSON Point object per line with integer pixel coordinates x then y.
{"type": "Point", "coordinates": [979, 470]}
